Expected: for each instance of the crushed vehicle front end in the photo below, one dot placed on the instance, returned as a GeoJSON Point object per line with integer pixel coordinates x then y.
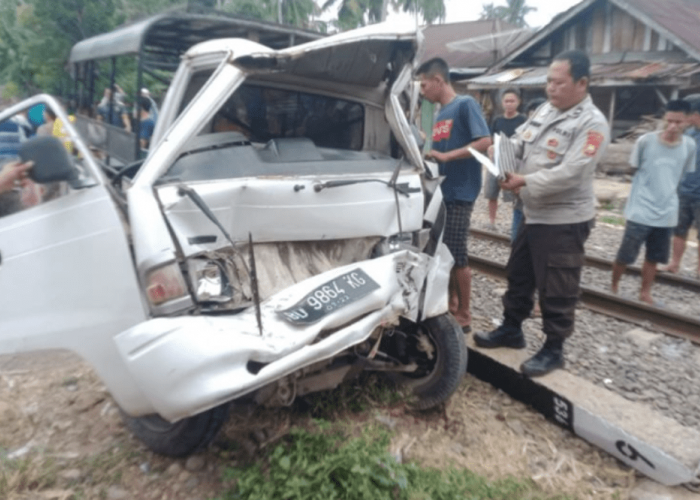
{"type": "Point", "coordinates": [283, 220]}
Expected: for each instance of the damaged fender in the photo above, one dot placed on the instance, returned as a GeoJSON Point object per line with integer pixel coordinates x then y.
{"type": "Point", "coordinates": [186, 365]}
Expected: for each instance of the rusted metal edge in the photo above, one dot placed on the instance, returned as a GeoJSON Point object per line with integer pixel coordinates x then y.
{"type": "Point", "coordinates": [684, 282]}
{"type": "Point", "coordinates": [669, 322]}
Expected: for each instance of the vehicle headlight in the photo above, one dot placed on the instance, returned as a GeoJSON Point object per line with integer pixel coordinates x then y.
{"type": "Point", "coordinates": [406, 241]}
{"type": "Point", "coordinates": [209, 281]}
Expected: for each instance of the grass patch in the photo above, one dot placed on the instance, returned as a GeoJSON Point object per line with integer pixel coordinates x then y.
{"type": "Point", "coordinates": [368, 391]}
{"type": "Point", "coordinates": [34, 472]}
{"type": "Point", "coordinates": [325, 464]}
{"type": "Point", "coordinates": [26, 474]}
{"type": "Point", "coordinates": [615, 220]}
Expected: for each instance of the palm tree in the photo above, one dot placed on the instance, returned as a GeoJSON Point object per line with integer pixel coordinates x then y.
{"type": "Point", "coordinates": [514, 12]}
{"type": "Point", "coordinates": [429, 10]}
{"type": "Point", "coordinates": [356, 13]}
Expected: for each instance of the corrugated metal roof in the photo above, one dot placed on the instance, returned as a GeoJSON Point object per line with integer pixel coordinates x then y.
{"type": "Point", "coordinates": [437, 36]}
{"type": "Point", "coordinates": [638, 72]}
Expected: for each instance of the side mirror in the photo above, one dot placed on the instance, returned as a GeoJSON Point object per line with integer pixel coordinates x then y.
{"type": "Point", "coordinates": [52, 163]}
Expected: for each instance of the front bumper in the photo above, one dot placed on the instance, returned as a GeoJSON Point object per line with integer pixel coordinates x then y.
{"type": "Point", "coordinates": [186, 365]}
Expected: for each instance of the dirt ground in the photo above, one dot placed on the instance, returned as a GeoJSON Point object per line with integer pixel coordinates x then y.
{"type": "Point", "coordinates": [61, 437]}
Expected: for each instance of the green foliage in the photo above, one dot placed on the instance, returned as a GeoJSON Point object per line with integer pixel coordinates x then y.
{"type": "Point", "coordinates": [355, 13]}
{"type": "Point", "coordinates": [11, 91]}
{"type": "Point", "coordinates": [430, 10]}
{"type": "Point", "coordinates": [326, 464]}
{"type": "Point", "coordinates": [66, 22]}
{"type": "Point", "coordinates": [369, 390]}
{"type": "Point", "coordinates": [36, 36]}
{"type": "Point", "coordinates": [130, 10]}
{"type": "Point", "coordinates": [299, 13]}
{"type": "Point", "coordinates": [513, 12]}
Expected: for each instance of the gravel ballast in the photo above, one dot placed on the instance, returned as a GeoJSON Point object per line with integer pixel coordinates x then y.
{"type": "Point", "coordinates": [631, 360]}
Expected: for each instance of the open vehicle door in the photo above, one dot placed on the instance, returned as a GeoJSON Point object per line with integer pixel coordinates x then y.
{"type": "Point", "coordinates": [67, 279]}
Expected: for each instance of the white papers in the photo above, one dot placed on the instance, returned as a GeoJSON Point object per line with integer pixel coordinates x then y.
{"type": "Point", "coordinates": [505, 154]}
{"type": "Point", "coordinates": [485, 161]}
{"type": "Point", "coordinates": [504, 157]}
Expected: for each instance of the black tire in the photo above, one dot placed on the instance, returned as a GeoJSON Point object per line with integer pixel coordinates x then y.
{"type": "Point", "coordinates": [435, 386]}
{"type": "Point", "coordinates": [181, 438]}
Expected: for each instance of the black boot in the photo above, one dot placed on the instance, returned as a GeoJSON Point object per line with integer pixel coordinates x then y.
{"type": "Point", "coordinates": [509, 334]}
{"type": "Point", "coordinates": [547, 359]}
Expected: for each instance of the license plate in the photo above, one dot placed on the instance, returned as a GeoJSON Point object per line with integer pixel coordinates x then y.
{"type": "Point", "coordinates": [330, 297]}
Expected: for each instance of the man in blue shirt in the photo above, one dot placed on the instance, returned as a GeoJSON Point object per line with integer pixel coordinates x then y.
{"type": "Point", "coordinates": [688, 198]}
{"type": "Point", "coordinates": [460, 124]}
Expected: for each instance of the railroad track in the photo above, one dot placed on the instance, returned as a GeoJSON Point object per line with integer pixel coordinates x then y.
{"type": "Point", "coordinates": [684, 282]}
{"type": "Point", "coordinates": [672, 323]}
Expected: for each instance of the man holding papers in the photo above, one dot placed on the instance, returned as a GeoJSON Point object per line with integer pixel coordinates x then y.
{"type": "Point", "coordinates": [559, 147]}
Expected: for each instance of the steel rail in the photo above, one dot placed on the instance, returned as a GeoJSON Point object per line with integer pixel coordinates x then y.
{"type": "Point", "coordinates": [632, 311]}
{"type": "Point", "coordinates": [684, 282]}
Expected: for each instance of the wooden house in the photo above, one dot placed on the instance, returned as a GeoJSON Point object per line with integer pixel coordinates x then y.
{"type": "Point", "coordinates": [643, 53]}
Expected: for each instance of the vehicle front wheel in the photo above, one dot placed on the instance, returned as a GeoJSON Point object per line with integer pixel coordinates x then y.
{"type": "Point", "coordinates": [180, 438]}
{"type": "Point", "coordinates": [438, 349]}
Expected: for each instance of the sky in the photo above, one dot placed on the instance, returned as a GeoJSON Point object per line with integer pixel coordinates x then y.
{"type": "Point", "coordinates": [469, 10]}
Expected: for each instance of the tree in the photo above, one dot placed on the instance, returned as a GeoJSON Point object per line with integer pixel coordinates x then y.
{"type": "Point", "coordinates": [298, 13]}
{"type": "Point", "coordinates": [513, 12]}
{"type": "Point", "coordinates": [130, 10]}
{"type": "Point", "coordinates": [74, 20]}
{"type": "Point", "coordinates": [355, 13]}
{"type": "Point", "coordinates": [429, 10]}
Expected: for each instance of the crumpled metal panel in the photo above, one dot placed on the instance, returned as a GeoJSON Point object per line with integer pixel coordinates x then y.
{"type": "Point", "coordinates": [188, 364]}
{"type": "Point", "coordinates": [437, 283]}
{"type": "Point", "coordinates": [358, 56]}
{"type": "Point", "coordinates": [290, 209]}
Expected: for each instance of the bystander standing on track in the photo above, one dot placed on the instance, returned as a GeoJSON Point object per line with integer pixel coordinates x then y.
{"type": "Point", "coordinates": [459, 125]}
{"type": "Point", "coordinates": [660, 158]}
{"type": "Point", "coordinates": [559, 148]}
{"type": "Point", "coordinates": [688, 198]}
{"type": "Point", "coordinates": [510, 120]}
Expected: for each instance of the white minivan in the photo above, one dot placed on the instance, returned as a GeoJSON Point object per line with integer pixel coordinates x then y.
{"type": "Point", "coordinates": [282, 234]}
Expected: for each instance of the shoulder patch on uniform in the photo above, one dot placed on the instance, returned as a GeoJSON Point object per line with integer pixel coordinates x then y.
{"type": "Point", "coordinates": [593, 142]}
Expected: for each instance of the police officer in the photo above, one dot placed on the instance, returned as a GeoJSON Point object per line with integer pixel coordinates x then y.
{"type": "Point", "coordinates": [560, 146]}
